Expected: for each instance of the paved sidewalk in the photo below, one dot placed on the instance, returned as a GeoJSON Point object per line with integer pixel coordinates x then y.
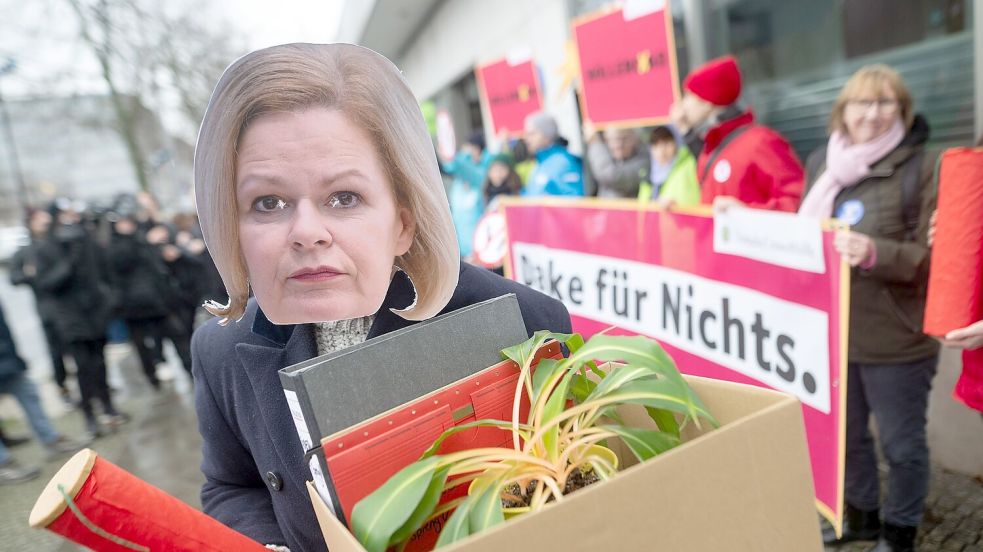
{"type": "Point", "coordinates": [953, 517]}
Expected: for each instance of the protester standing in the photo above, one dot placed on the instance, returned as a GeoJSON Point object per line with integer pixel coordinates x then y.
{"type": "Point", "coordinates": [468, 168]}
{"type": "Point", "coordinates": [73, 274]}
{"type": "Point", "coordinates": [24, 271]}
{"type": "Point", "coordinates": [557, 172]}
{"type": "Point", "coordinates": [617, 160]}
{"type": "Point", "coordinates": [738, 160]}
{"type": "Point", "coordinates": [502, 180]}
{"type": "Point", "coordinates": [875, 175]}
{"type": "Point", "coordinates": [141, 283]}
{"type": "Point", "coordinates": [672, 175]}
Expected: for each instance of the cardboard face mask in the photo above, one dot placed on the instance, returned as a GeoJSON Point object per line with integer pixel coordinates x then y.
{"type": "Point", "coordinates": [319, 225]}
{"type": "Point", "coordinates": [323, 154]}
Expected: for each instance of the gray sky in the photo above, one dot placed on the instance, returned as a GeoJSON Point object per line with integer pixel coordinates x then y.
{"type": "Point", "coordinates": [42, 37]}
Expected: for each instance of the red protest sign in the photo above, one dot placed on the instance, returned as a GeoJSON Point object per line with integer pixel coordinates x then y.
{"type": "Point", "coordinates": [628, 72]}
{"type": "Point", "coordinates": [509, 92]}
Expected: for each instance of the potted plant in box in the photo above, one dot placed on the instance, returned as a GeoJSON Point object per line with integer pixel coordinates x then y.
{"type": "Point", "coordinates": [557, 449]}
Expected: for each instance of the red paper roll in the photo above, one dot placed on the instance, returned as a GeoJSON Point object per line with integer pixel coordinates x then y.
{"type": "Point", "coordinates": [955, 285]}
{"type": "Point", "coordinates": [123, 513]}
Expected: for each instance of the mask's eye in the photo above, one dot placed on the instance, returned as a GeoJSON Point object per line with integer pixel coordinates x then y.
{"type": "Point", "coordinates": [268, 204]}
{"type": "Point", "coordinates": [344, 200]}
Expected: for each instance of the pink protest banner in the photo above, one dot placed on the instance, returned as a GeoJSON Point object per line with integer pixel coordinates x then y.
{"type": "Point", "coordinates": [510, 92]}
{"type": "Point", "coordinates": [627, 59]}
{"type": "Point", "coordinates": [730, 299]}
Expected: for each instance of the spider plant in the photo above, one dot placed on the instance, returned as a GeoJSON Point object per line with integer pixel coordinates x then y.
{"type": "Point", "coordinates": [561, 440]}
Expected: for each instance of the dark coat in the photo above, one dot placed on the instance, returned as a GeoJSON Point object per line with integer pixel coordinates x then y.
{"type": "Point", "coordinates": [138, 278]}
{"type": "Point", "coordinates": [33, 255]}
{"type": "Point", "coordinates": [11, 363]}
{"type": "Point", "coordinates": [887, 301]}
{"type": "Point", "coordinates": [71, 268]}
{"type": "Point", "coordinates": [252, 456]}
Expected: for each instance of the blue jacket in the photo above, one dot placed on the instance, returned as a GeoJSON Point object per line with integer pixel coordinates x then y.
{"type": "Point", "coordinates": [557, 172]}
{"type": "Point", "coordinates": [465, 197]}
{"type": "Point", "coordinates": [252, 457]}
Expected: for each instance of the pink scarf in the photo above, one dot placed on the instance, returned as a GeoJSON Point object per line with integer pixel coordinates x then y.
{"type": "Point", "coordinates": [846, 165]}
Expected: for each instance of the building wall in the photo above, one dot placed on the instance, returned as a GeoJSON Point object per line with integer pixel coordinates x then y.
{"type": "Point", "coordinates": [464, 33]}
{"type": "Point", "coordinates": [68, 146]}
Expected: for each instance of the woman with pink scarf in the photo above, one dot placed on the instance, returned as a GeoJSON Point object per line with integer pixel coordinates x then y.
{"type": "Point", "coordinates": [875, 175]}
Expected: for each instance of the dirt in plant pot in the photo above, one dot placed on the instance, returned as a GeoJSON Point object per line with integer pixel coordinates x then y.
{"type": "Point", "coordinates": [512, 497]}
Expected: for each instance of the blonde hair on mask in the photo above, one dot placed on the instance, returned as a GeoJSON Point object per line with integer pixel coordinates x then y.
{"type": "Point", "coordinates": [372, 93]}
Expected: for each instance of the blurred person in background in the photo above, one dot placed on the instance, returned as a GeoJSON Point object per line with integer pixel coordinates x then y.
{"type": "Point", "coordinates": [141, 283]}
{"type": "Point", "coordinates": [502, 180]}
{"type": "Point", "coordinates": [525, 163]}
{"type": "Point", "coordinates": [738, 160]}
{"type": "Point", "coordinates": [468, 168]}
{"type": "Point", "coordinates": [557, 172]}
{"type": "Point", "coordinates": [672, 175]}
{"type": "Point", "coordinates": [875, 175]}
{"type": "Point", "coordinates": [73, 272]}
{"type": "Point", "coordinates": [24, 271]}
{"type": "Point", "coordinates": [617, 160]}
{"type": "Point", "coordinates": [185, 271]}
{"type": "Point", "coordinates": [14, 381]}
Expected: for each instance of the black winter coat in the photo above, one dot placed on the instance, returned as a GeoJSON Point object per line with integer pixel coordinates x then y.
{"type": "Point", "coordinates": [11, 363]}
{"type": "Point", "coordinates": [71, 268]}
{"type": "Point", "coordinates": [31, 255]}
{"type": "Point", "coordinates": [138, 278]}
{"type": "Point", "coordinates": [253, 460]}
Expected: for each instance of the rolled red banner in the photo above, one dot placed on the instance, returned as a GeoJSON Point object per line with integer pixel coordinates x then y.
{"type": "Point", "coordinates": [95, 503]}
{"type": "Point", "coordinates": [955, 284]}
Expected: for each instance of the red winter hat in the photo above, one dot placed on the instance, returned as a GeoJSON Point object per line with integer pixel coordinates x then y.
{"type": "Point", "coordinates": [717, 81]}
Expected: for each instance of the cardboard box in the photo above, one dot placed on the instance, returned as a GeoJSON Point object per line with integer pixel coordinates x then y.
{"type": "Point", "coordinates": [743, 486]}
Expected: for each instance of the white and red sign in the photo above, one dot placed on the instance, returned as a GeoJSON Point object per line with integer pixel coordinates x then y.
{"type": "Point", "coordinates": [510, 91]}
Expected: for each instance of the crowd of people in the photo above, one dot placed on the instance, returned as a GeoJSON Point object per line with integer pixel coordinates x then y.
{"type": "Point", "coordinates": [122, 273]}
{"type": "Point", "coordinates": [126, 269]}
{"type": "Point", "coordinates": [875, 173]}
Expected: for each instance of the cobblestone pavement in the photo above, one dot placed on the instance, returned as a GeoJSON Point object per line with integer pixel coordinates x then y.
{"type": "Point", "coordinates": [953, 517]}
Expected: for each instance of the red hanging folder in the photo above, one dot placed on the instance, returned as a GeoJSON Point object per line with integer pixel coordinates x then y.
{"type": "Point", "coordinates": [363, 457]}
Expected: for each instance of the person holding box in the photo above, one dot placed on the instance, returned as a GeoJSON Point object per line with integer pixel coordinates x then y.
{"type": "Point", "coordinates": [318, 191]}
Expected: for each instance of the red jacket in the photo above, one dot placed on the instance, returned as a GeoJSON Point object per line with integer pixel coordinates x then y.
{"type": "Point", "coordinates": [758, 167]}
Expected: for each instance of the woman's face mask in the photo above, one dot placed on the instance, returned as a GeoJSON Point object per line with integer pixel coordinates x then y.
{"type": "Point", "coordinates": [319, 227]}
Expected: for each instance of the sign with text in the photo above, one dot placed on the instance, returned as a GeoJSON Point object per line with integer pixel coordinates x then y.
{"type": "Point", "coordinates": [735, 316]}
{"type": "Point", "coordinates": [510, 91]}
{"type": "Point", "coordinates": [628, 74]}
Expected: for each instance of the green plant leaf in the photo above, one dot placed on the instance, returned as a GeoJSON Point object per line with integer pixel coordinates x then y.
{"type": "Point", "coordinates": [644, 443]}
{"type": "Point", "coordinates": [545, 371]}
{"type": "Point", "coordinates": [669, 394]}
{"type": "Point", "coordinates": [379, 515]}
{"type": "Point", "coordinates": [524, 430]}
{"type": "Point", "coordinates": [631, 350]}
{"type": "Point", "coordinates": [424, 509]}
{"type": "Point", "coordinates": [618, 378]}
{"type": "Point", "coordinates": [556, 403]}
{"type": "Point", "coordinates": [521, 352]}
{"type": "Point", "coordinates": [665, 419]}
{"type": "Point", "coordinates": [581, 387]}
{"type": "Point", "coordinates": [458, 526]}
{"type": "Point", "coordinates": [487, 509]}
